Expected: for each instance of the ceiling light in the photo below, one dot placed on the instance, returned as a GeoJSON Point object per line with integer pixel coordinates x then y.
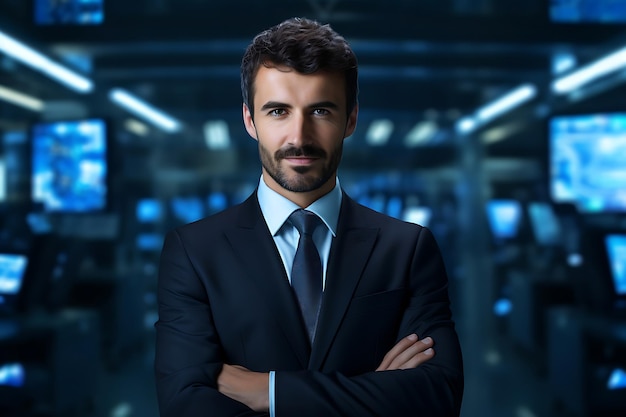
{"type": "Point", "coordinates": [136, 127]}
{"type": "Point", "coordinates": [21, 99]}
{"type": "Point", "coordinates": [562, 62]}
{"type": "Point", "coordinates": [421, 133]}
{"type": "Point", "coordinates": [590, 72]}
{"type": "Point", "coordinates": [39, 62]}
{"type": "Point", "coordinates": [466, 125]}
{"type": "Point", "coordinates": [506, 103]}
{"type": "Point", "coordinates": [216, 135]}
{"type": "Point", "coordinates": [499, 133]}
{"type": "Point", "coordinates": [379, 132]}
{"type": "Point", "coordinates": [144, 110]}
{"type": "Point", "coordinates": [496, 108]}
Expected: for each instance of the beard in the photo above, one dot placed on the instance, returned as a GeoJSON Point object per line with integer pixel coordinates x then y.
{"type": "Point", "coordinates": [301, 179]}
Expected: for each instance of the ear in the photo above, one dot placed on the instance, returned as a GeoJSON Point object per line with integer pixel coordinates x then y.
{"type": "Point", "coordinates": [351, 124]}
{"type": "Point", "coordinates": [249, 122]}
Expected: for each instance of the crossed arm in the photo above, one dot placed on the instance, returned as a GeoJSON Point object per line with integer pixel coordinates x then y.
{"type": "Point", "coordinates": [252, 388]}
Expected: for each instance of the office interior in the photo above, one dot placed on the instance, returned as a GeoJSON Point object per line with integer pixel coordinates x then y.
{"type": "Point", "coordinates": [500, 125]}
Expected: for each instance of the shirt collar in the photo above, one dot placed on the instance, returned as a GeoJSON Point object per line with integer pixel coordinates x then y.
{"type": "Point", "coordinates": [276, 208]}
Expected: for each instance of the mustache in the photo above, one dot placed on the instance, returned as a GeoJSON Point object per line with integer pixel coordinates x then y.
{"type": "Point", "coordinates": [306, 150]}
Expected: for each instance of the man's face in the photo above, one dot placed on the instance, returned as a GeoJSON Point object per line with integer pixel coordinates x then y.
{"type": "Point", "coordinates": [300, 123]}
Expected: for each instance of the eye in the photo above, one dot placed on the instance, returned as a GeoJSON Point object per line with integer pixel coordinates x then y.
{"type": "Point", "coordinates": [320, 112]}
{"type": "Point", "coordinates": [277, 112]}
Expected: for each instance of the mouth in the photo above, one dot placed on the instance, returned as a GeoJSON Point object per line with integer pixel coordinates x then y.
{"type": "Point", "coordinates": [301, 160]}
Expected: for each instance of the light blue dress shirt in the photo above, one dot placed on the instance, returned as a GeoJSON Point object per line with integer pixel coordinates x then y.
{"type": "Point", "coordinates": [276, 210]}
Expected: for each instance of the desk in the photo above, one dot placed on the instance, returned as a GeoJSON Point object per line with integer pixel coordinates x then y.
{"type": "Point", "coordinates": [583, 350]}
{"type": "Point", "coordinates": [61, 358]}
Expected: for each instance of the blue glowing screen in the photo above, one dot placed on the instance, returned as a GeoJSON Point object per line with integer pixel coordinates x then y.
{"type": "Point", "coordinates": [616, 250]}
{"type": "Point", "coordinates": [69, 166]}
{"type": "Point", "coordinates": [588, 162]}
{"type": "Point", "coordinates": [12, 269]}
{"type": "Point", "coordinates": [545, 225]}
{"type": "Point", "coordinates": [504, 218]}
{"type": "Point", "coordinates": [617, 379]}
{"type": "Point", "coordinates": [588, 11]}
{"type": "Point", "coordinates": [12, 375]}
{"type": "Point", "coordinates": [149, 210]}
{"type": "Point", "coordinates": [187, 209]}
{"type": "Point", "coordinates": [69, 12]}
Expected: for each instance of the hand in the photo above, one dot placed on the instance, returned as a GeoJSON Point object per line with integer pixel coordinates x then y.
{"type": "Point", "coordinates": [245, 386]}
{"type": "Point", "coordinates": [408, 353]}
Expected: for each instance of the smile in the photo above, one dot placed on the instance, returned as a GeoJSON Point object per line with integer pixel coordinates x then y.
{"type": "Point", "coordinates": [301, 160]}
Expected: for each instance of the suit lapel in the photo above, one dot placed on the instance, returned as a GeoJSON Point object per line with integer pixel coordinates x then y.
{"type": "Point", "coordinates": [349, 253]}
{"type": "Point", "coordinates": [264, 268]}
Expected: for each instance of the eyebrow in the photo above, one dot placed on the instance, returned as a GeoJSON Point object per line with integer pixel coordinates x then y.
{"type": "Point", "coordinates": [276, 104]}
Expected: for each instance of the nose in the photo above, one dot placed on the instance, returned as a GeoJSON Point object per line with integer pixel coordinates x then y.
{"type": "Point", "coordinates": [299, 130]}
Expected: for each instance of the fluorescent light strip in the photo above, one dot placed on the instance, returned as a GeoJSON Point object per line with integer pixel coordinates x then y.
{"type": "Point", "coordinates": [36, 60]}
{"type": "Point", "coordinates": [466, 125]}
{"type": "Point", "coordinates": [144, 110]}
{"type": "Point", "coordinates": [21, 99]}
{"type": "Point", "coordinates": [588, 73]}
{"type": "Point", "coordinates": [487, 113]}
{"type": "Point", "coordinates": [506, 103]}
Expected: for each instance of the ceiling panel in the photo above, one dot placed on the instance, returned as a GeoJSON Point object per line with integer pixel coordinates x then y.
{"type": "Point", "coordinates": [416, 57]}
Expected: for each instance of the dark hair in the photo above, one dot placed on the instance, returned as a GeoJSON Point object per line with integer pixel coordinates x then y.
{"type": "Point", "coordinates": [304, 45]}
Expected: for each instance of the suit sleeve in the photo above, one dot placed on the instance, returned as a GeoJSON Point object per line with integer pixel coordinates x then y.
{"type": "Point", "coordinates": [434, 389]}
{"type": "Point", "coordinates": [188, 357]}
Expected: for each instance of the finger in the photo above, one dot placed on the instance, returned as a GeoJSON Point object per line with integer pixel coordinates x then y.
{"type": "Point", "coordinates": [410, 352]}
{"type": "Point", "coordinates": [418, 359]}
{"type": "Point", "coordinates": [399, 347]}
{"type": "Point", "coordinates": [415, 349]}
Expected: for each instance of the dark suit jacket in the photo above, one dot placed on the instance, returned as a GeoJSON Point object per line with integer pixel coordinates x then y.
{"type": "Point", "coordinates": [224, 297]}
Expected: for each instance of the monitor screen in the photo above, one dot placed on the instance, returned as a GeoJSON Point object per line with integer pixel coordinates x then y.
{"type": "Point", "coordinates": [616, 251]}
{"type": "Point", "coordinates": [395, 206]}
{"type": "Point", "coordinates": [504, 217]}
{"type": "Point", "coordinates": [587, 156]}
{"type": "Point", "coordinates": [187, 209]}
{"type": "Point", "coordinates": [12, 374]}
{"type": "Point", "coordinates": [12, 274]}
{"type": "Point", "coordinates": [69, 12]}
{"type": "Point", "coordinates": [544, 223]}
{"type": "Point", "coordinates": [149, 210]}
{"type": "Point", "coordinates": [149, 242]}
{"type": "Point", "coordinates": [417, 214]}
{"type": "Point", "coordinates": [12, 271]}
{"type": "Point", "coordinates": [588, 11]}
{"type": "Point", "coordinates": [69, 165]}
{"type": "Point", "coordinates": [217, 201]}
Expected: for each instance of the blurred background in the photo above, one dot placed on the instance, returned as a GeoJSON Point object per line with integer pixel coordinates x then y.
{"type": "Point", "coordinates": [500, 125]}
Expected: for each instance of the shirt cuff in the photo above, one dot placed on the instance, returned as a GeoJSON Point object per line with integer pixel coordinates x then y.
{"type": "Point", "coordinates": [272, 393]}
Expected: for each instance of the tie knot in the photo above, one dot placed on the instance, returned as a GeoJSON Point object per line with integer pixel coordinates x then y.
{"type": "Point", "coordinates": [305, 221]}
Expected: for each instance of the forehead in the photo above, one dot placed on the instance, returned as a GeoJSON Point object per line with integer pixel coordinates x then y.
{"type": "Point", "coordinates": [285, 84]}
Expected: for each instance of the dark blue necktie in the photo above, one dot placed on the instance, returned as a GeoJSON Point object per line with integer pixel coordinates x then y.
{"type": "Point", "coordinates": [306, 272]}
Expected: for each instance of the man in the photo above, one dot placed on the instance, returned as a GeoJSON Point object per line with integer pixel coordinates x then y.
{"type": "Point", "coordinates": [232, 339]}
